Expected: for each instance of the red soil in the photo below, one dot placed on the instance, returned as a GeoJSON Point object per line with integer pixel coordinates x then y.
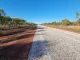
{"type": "Point", "coordinates": [17, 47]}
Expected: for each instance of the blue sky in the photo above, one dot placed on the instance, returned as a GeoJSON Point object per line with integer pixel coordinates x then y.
{"type": "Point", "coordinates": [40, 11]}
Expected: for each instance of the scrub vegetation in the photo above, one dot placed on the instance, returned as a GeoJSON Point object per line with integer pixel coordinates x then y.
{"type": "Point", "coordinates": [66, 24]}
{"type": "Point", "coordinates": [8, 23]}
{"type": "Point", "coordinates": [16, 36]}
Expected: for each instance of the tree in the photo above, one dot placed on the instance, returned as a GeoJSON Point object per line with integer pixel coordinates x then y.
{"type": "Point", "coordinates": [54, 23]}
{"type": "Point", "coordinates": [18, 22]}
{"type": "Point", "coordinates": [78, 21]}
{"type": "Point", "coordinates": [65, 22]}
{"type": "Point", "coordinates": [8, 21]}
{"type": "Point", "coordinates": [2, 13]}
{"type": "Point", "coordinates": [5, 21]}
{"type": "Point", "coordinates": [77, 16]}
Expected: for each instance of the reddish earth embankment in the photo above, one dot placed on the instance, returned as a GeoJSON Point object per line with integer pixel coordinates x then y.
{"type": "Point", "coordinates": [16, 46]}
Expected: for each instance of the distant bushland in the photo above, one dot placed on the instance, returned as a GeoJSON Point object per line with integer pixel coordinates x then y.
{"type": "Point", "coordinates": [6, 22]}
{"type": "Point", "coordinates": [66, 24]}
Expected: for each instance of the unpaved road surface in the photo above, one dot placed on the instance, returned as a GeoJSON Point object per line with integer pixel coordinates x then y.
{"type": "Point", "coordinates": [16, 47]}
{"type": "Point", "coordinates": [54, 44]}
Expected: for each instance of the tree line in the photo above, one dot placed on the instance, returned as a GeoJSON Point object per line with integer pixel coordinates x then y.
{"type": "Point", "coordinates": [66, 21]}
{"type": "Point", "coordinates": [6, 22]}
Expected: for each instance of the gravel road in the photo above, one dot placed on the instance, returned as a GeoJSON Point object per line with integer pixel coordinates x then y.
{"type": "Point", "coordinates": [54, 44]}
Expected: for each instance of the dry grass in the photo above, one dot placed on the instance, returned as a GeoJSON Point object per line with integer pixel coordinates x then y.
{"type": "Point", "coordinates": [68, 28]}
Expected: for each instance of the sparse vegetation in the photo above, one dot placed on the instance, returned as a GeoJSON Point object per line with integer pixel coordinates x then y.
{"type": "Point", "coordinates": [7, 23]}
{"type": "Point", "coordinates": [66, 24]}
{"type": "Point", "coordinates": [14, 29]}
